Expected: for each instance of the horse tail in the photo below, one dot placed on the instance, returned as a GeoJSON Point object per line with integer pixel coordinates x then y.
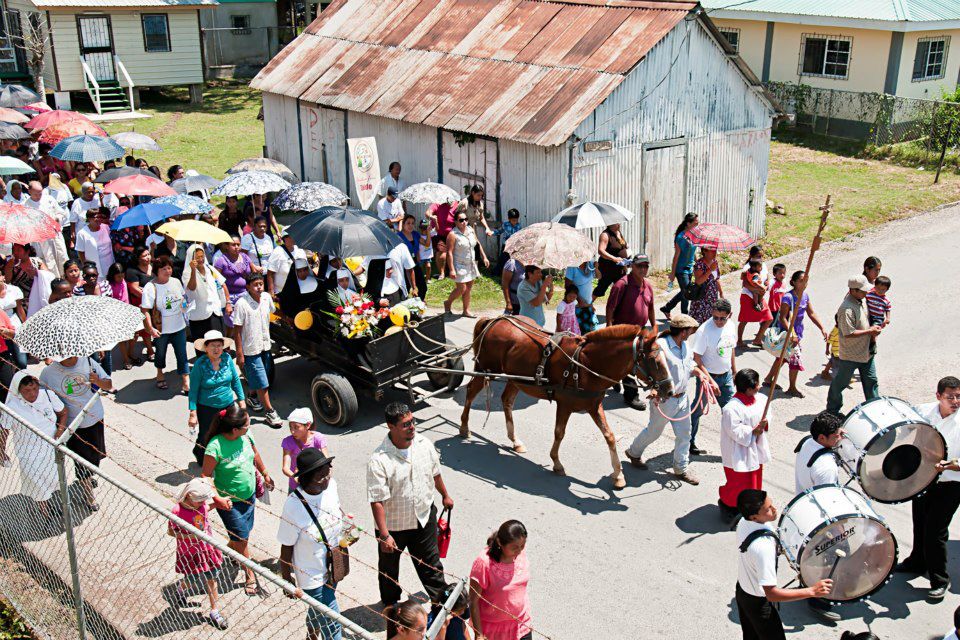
{"type": "Point", "coordinates": [479, 330]}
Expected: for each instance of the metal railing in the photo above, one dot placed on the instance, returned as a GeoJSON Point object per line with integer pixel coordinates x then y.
{"type": "Point", "coordinates": [122, 73]}
{"type": "Point", "coordinates": [76, 572]}
{"type": "Point", "coordinates": [93, 87]}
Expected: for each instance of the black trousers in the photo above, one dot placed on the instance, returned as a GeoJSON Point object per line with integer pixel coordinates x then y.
{"type": "Point", "coordinates": [932, 513]}
{"type": "Point", "coordinates": [759, 619]}
{"type": "Point", "coordinates": [205, 416]}
{"type": "Point", "coordinates": [200, 327]}
{"type": "Point", "coordinates": [422, 544]}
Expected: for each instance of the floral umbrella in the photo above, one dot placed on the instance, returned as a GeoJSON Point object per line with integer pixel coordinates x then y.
{"type": "Point", "coordinates": [429, 193]}
{"type": "Point", "coordinates": [12, 115]}
{"type": "Point", "coordinates": [309, 196]}
{"type": "Point", "coordinates": [50, 118]}
{"type": "Point", "coordinates": [264, 164]}
{"type": "Point", "coordinates": [69, 129]}
{"type": "Point", "coordinates": [248, 183]}
{"type": "Point", "coordinates": [14, 95]}
{"type": "Point", "coordinates": [550, 245]}
{"type": "Point", "coordinates": [722, 237]}
{"type": "Point", "coordinates": [78, 326]}
{"type": "Point", "coordinates": [85, 148]}
{"type": "Point", "coordinates": [186, 203]}
{"type": "Point", "coordinates": [22, 225]}
{"type": "Point", "coordinates": [139, 186]}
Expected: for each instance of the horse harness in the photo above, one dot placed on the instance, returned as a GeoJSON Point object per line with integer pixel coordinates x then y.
{"type": "Point", "coordinates": [572, 371]}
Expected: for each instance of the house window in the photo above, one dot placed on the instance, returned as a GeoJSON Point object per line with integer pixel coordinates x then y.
{"type": "Point", "coordinates": [9, 31]}
{"type": "Point", "coordinates": [931, 60]}
{"type": "Point", "coordinates": [733, 37]}
{"type": "Point", "coordinates": [825, 56]}
{"type": "Point", "coordinates": [240, 25]}
{"type": "Point", "coordinates": [156, 32]}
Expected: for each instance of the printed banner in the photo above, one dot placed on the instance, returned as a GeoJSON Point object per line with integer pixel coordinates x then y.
{"type": "Point", "coordinates": [366, 168]}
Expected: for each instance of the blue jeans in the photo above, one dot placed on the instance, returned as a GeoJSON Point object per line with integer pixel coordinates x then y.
{"type": "Point", "coordinates": [683, 279]}
{"type": "Point", "coordinates": [316, 621]}
{"type": "Point", "coordinates": [845, 369]}
{"type": "Point", "coordinates": [725, 382]}
{"type": "Point", "coordinates": [178, 341]}
{"type": "Point", "coordinates": [17, 357]}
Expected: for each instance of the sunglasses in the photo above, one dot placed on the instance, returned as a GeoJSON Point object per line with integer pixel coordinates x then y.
{"type": "Point", "coordinates": [461, 219]}
{"type": "Point", "coordinates": [406, 424]}
{"type": "Point", "coordinates": [721, 318]}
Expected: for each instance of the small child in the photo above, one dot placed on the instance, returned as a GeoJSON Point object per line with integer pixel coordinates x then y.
{"type": "Point", "coordinates": [199, 562]}
{"type": "Point", "coordinates": [878, 307]}
{"type": "Point", "coordinates": [833, 353]}
{"type": "Point", "coordinates": [776, 289]}
{"type": "Point", "coordinates": [428, 231]}
{"type": "Point", "coordinates": [302, 436]}
{"type": "Point", "coordinates": [567, 311]}
{"type": "Point", "coordinates": [752, 281]}
{"type": "Point", "coordinates": [456, 626]}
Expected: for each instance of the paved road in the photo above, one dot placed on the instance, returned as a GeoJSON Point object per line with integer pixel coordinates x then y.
{"type": "Point", "coordinates": [652, 560]}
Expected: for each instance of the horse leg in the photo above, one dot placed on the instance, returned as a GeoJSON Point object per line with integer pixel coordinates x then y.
{"type": "Point", "coordinates": [476, 384]}
{"type": "Point", "coordinates": [509, 396]}
{"type": "Point", "coordinates": [600, 418]}
{"type": "Point", "coordinates": [563, 414]}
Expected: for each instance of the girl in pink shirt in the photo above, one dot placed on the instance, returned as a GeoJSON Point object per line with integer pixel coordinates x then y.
{"type": "Point", "coordinates": [499, 606]}
{"type": "Point", "coordinates": [302, 436]}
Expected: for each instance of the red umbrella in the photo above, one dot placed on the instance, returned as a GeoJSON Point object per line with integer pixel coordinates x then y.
{"type": "Point", "coordinates": [57, 132]}
{"type": "Point", "coordinates": [139, 185]}
{"type": "Point", "coordinates": [723, 237]}
{"type": "Point", "coordinates": [22, 225]}
{"type": "Point", "coordinates": [39, 107]}
{"type": "Point", "coordinates": [49, 118]}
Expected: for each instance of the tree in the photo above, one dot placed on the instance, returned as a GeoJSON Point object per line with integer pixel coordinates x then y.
{"type": "Point", "coordinates": [34, 41]}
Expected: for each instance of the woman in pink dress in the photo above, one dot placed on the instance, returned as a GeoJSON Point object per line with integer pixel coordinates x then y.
{"type": "Point", "coordinates": [499, 606]}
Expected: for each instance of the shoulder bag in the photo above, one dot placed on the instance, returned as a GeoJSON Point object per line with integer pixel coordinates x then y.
{"type": "Point", "coordinates": [338, 560]}
{"type": "Point", "coordinates": [156, 318]}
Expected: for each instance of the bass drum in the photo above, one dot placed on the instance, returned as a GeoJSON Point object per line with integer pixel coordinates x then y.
{"type": "Point", "coordinates": [891, 449]}
{"type": "Point", "coordinates": [826, 519]}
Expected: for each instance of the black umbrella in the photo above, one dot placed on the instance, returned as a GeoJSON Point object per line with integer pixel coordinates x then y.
{"type": "Point", "coordinates": [343, 232]}
{"type": "Point", "coordinates": [14, 95]}
{"type": "Point", "coordinates": [122, 172]}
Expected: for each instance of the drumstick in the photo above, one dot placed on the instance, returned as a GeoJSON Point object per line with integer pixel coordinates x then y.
{"type": "Point", "coordinates": [840, 553]}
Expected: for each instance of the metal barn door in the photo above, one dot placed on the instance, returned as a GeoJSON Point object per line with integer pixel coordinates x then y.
{"type": "Point", "coordinates": [664, 192]}
{"type": "Point", "coordinates": [96, 46]}
{"type": "Point", "coordinates": [469, 164]}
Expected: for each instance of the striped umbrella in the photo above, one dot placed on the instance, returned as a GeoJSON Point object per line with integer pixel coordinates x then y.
{"type": "Point", "coordinates": [14, 95]}
{"type": "Point", "coordinates": [10, 131]}
{"type": "Point", "coordinates": [12, 115]}
{"type": "Point", "coordinates": [248, 183]}
{"type": "Point", "coordinates": [72, 128]}
{"type": "Point", "coordinates": [593, 215]}
{"type": "Point", "coordinates": [186, 203]}
{"type": "Point", "coordinates": [86, 148]}
{"type": "Point", "coordinates": [139, 186]}
{"type": "Point", "coordinates": [145, 214]}
{"type": "Point", "coordinates": [22, 225]}
{"type": "Point", "coordinates": [722, 237]}
{"type": "Point", "coordinates": [50, 118]}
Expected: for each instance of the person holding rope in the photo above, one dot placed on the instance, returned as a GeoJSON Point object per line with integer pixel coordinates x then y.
{"type": "Point", "coordinates": [715, 354]}
{"type": "Point", "coordinates": [675, 409]}
{"type": "Point", "coordinates": [744, 448]}
{"type": "Point", "coordinates": [757, 588]}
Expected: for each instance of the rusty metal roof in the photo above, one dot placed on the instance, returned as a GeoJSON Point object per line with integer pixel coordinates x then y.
{"type": "Point", "coordinates": [525, 70]}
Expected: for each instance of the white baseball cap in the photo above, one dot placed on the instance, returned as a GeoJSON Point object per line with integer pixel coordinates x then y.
{"type": "Point", "coordinates": [302, 415]}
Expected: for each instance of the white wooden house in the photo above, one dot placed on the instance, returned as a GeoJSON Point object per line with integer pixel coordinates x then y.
{"type": "Point", "coordinates": [111, 48]}
{"type": "Point", "coordinates": [642, 103]}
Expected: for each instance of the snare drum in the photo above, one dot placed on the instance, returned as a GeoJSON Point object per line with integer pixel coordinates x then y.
{"type": "Point", "coordinates": [827, 518]}
{"type": "Point", "coordinates": [891, 449]}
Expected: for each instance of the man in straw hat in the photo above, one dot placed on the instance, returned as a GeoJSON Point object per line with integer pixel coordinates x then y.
{"type": "Point", "coordinates": [675, 409]}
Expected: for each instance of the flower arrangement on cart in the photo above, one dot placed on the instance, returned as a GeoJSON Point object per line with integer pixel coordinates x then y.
{"type": "Point", "coordinates": [359, 317]}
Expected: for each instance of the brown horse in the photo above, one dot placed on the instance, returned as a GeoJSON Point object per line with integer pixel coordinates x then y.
{"type": "Point", "coordinates": [576, 375]}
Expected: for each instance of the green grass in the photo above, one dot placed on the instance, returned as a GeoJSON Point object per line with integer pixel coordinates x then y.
{"type": "Point", "coordinates": [11, 626]}
{"type": "Point", "coordinates": [486, 293]}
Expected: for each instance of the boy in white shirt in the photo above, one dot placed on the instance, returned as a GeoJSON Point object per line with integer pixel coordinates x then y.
{"type": "Point", "coordinates": [743, 440]}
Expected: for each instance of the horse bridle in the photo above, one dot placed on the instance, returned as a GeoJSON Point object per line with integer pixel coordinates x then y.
{"type": "Point", "coordinates": [648, 358]}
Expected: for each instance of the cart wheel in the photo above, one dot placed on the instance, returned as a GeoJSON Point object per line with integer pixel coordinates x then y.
{"type": "Point", "coordinates": [449, 381]}
{"type": "Point", "coordinates": [334, 399]}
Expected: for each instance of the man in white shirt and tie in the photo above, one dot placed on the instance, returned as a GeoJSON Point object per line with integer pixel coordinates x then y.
{"type": "Point", "coordinates": [757, 588]}
{"type": "Point", "coordinates": [933, 511]}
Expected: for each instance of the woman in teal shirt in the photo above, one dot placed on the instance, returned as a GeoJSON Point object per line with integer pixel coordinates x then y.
{"type": "Point", "coordinates": [214, 385]}
{"type": "Point", "coordinates": [684, 255]}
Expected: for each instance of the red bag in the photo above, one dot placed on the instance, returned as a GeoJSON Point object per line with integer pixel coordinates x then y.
{"type": "Point", "coordinates": [444, 532]}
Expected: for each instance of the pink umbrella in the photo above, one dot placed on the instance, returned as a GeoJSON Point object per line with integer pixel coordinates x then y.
{"type": "Point", "coordinates": [54, 133]}
{"type": "Point", "coordinates": [723, 237]}
{"type": "Point", "coordinates": [49, 118]}
{"type": "Point", "coordinates": [38, 107]}
{"type": "Point", "coordinates": [139, 185]}
{"type": "Point", "coordinates": [22, 225]}
{"type": "Point", "coordinates": [12, 115]}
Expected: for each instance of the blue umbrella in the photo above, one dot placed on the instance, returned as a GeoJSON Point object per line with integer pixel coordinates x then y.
{"type": "Point", "coordinates": [186, 203]}
{"type": "Point", "coordinates": [145, 215]}
{"type": "Point", "coordinates": [87, 148]}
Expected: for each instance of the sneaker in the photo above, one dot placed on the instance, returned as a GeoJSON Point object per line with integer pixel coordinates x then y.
{"type": "Point", "coordinates": [254, 403]}
{"type": "Point", "coordinates": [937, 593]}
{"type": "Point", "coordinates": [273, 419]}
{"type": "Point", "coordinates": [686, 476]}
{"type": "Point", "coordinates": [216, 619]}
{"type": "Point", "coordinates": [697, 451]}
{"type": "Point", "coordinates": [635, 462]}
{"type": "Point", "coordinates": [823, 610]}
{"type": "Point", "coordinates": [908, 567]}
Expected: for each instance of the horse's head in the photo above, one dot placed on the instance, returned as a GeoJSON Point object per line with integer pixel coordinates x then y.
{"type": "Point", "coordinates": [650, 365]}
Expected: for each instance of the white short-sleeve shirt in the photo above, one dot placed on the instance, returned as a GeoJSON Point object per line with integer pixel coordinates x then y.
{"type": "Point", "coordinates": [8, 303]}
{"type": "Point", "coordinates": [72, 385]}
{"type": "Point", "coordinates": [949, 428]}
{"type": "Point", "coordinates": [757, 566]}
{"type": "Point", "coordinates": [96, 247]}
{"type": "Point", "coordinates": [255, 320]}
{"type": "Point", "coordinates": [823, 471]}
{"type": "Point", "coordinates": [168, 299]}
{"type": "Point", "coordinates": [715, 346]}
{"type": "Point", "coordinates": [298, 530]}
{"type": "Point", "coordinates": [259, 249]}
{"type": "Point", "coordinates": [389, 210]}
{"type": "Point", "coordinates": [79, 208]}
{"type": "Point", "coordinates": [403, 480]}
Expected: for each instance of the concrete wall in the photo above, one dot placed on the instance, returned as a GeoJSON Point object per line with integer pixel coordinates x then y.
{"type": "Point", "coordinates": [753, 35]}
{"type": "Point", "coordinates": [931, 89]}
{"type": "Point", "coordinates": [222, 47]}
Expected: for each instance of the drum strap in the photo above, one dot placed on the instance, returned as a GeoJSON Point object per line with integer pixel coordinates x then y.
{"type": "Point", "coordinates": [802, 442]}
{"type": "Point", "coordinates": [762, 533]}
{"type": "Point", "coordinates": [819, 453]}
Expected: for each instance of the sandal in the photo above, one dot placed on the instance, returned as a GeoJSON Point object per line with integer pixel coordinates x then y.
{"type": "Point", "coordinates": [251, 588]}
{"type": "Point", "coordinates": [127, 366]}
{"type": "Point", "coordinates": [162, 385]}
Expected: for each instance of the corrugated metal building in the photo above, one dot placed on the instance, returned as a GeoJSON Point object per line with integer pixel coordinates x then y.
{"type": "Point", "coordinates": [638, 102]}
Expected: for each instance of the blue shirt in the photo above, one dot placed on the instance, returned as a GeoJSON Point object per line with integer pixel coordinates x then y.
{"type": "Point", "coordinates": [680, 363]}
{"type": "Point", "coordinates": [526, 292]}
{"type": "Point", "coordinates": [583, 281]}
{"type": "Point", "coordinates": [217, 389]}
{"type": "Point", "coordinates": [508, 229]}
{"type": "Point", "coordinates": [688, 254]}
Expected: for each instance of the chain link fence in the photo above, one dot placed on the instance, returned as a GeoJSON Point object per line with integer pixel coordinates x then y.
{"type": "Point", "coordinates": [876, 118]}
{"type": "Point", "coordinates": [108, 572]}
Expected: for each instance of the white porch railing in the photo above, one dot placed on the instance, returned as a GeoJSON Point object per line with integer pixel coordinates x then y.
{"type": "Point", "coordinates": [93, 87]}
{"type": "Point", "coordinates": [122, 73]}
